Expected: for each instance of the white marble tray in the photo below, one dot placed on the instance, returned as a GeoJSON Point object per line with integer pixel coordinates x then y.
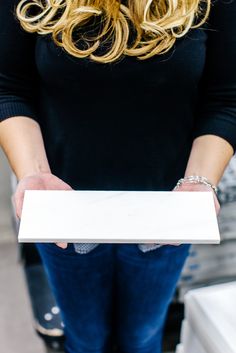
{"type": "Point", "coordinates": [119, 216]}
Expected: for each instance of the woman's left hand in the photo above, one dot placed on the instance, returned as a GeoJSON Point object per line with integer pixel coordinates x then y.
{"type": "Point", "coordinates": [199, 187]}
{"type": "Point", "coordinates": [196, 187]}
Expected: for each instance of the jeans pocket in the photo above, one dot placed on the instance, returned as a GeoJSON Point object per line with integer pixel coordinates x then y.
{"type": "Point", "coordinates": [84, 248]}
{"type": "Point", "coordinates": [54, 248]}
{"type": "Point", "coordinates": [148, 247]}
{"type": "Point", "coordinates": [170, 248]}
{"type": "Point", "coordinates": [161, 248]}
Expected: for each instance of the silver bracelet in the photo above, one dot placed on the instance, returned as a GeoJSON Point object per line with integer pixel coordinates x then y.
{"type": "Point", "coordinates": [196, 179]}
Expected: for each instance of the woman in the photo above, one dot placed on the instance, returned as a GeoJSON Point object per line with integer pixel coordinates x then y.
{"type": "Point", "coordinates": [111, 95]}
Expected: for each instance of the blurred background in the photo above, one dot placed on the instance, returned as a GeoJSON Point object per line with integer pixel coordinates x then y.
{"type": "Point", "coordinates": [16, 331]}
{"type": "Point", "coordinates": [30, 320]}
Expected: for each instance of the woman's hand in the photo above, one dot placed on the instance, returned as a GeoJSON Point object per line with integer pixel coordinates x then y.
{"type": "Point", "coordinates": [39, 181]}
{"type": "Point", "coordinates": [195, 187]}
{"type": "Point", "coordinates": [199, 187]}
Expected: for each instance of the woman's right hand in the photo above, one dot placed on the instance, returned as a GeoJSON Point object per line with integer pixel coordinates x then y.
{"type": "Point", "coordinates": [38, 181]}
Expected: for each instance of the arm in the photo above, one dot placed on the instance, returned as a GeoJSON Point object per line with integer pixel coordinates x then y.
{"type": "Point", "coordinates": [22, 142]}
{"type": "Point", "coordinates": [20, 133]}
{"type": "Point", "coordinates": [215, 128]}
{"type": "Point", "coordinates": [209, 157]}
{"type": "Point", "coordinates": [20, 136]}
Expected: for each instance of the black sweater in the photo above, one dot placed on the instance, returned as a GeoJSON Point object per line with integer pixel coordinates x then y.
{"type": "Point", "coordinates": [125, 125]}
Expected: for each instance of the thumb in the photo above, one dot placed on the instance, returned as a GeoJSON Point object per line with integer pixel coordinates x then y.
{"type": "Point", "coordinates": [62, 245]}
{"type": "Point", "coordinates": [17, 202]}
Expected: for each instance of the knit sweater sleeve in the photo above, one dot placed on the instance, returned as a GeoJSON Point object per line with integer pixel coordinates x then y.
{"type": "Point", "coordinates": [216, 113]}
{"type": "Point", "coordinates": [18, 74]}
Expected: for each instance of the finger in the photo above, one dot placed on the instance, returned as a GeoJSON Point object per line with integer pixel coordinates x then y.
{"type": "Point", "coordinates": [17, 200]}
{"type": "Point", "coordinates": [13, 203]}
{"type": "Point", "coordinates": [216, 203]}
{"type": "Point", "coordinates": [62, 245]}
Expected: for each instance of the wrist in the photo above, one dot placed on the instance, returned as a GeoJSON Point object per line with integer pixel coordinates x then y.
{"type": "Point", "coordinates": [196, 179]}
{"type": "Point", "coordinates": [209, 176]}
{"type": "Point", "coordinates": [36, 170]}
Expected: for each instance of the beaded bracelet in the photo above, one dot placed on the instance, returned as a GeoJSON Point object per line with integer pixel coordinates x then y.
{"type": "Point", "coordinates": [196, 179]}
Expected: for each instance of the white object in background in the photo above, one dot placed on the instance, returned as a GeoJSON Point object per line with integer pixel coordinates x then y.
{"type": "Point", "coordinates": [227, 219]}
{"type": "Point", "coordinates": [211, 312]}
{"type": "Point", "coordinates": [119, 216]}
{"type": "Point", "coordinates": [208, 263]}
{"type": "Point", "coordinates": [190, 340]}
{"type": "Point", "coordinates": [180, 349]}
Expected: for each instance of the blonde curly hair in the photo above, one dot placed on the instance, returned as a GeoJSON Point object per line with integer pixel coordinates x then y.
{"type": "Point", "coordinates": [155, 24]}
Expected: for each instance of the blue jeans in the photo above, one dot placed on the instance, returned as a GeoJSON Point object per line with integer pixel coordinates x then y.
{"type": "Point", "coordinates": [115, 292]}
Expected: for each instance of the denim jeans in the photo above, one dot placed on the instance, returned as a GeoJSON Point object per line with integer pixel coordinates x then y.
{"type": "Point", "coordinates": [115, 293]}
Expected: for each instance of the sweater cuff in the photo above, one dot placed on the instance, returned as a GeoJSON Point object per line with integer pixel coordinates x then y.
{"type": "Point", "coordinates": [12, 109]}
{"type": "Point", "coordinates": [218, 126]}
